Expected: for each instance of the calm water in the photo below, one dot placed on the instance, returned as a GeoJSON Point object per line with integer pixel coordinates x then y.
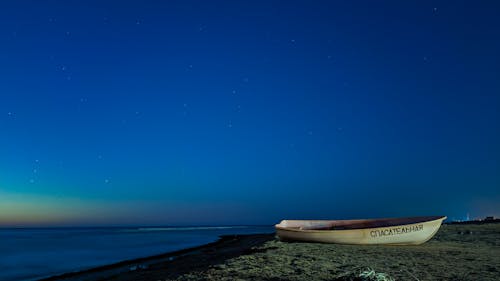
{"type": "Point", "coordinates": [27, 254]}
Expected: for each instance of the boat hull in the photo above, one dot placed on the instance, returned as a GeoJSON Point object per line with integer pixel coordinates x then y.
{"type": "Point", "coordinates": [407, 234]}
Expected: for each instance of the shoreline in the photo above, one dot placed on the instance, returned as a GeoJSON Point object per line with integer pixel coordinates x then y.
{"type": "Point", "coordinates": [235, 244]}
{"type": "Point", "coordinates": [471, 253]}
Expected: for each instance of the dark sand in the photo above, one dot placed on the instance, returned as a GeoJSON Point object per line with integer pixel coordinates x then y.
{"type": "Point", "coordinates": [457, 252]}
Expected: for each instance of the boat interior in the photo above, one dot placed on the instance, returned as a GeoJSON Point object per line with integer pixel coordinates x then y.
{"type": "Point", "coordinates": [352, 224]}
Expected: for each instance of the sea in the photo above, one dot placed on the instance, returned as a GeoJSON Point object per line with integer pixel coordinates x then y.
{"type": "Point", "coordinates": [34, 253]}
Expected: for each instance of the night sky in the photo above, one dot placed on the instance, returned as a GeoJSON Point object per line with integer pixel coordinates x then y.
{"type": "Point", "coordinates": [247, 112]}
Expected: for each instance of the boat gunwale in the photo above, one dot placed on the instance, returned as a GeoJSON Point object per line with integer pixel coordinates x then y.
{"type": "Point", "coordinates": [277, 227]}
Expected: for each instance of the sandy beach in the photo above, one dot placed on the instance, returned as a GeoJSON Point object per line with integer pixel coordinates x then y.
{"type": "Point", "coordinates": [457, 252]}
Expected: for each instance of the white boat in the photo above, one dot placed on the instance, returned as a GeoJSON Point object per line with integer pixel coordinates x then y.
{"type": "Point", "coordinates": [395, 231]}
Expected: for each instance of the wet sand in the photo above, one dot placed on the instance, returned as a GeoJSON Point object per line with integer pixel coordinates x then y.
{"type": "Point", "coordinates": [457, 252]}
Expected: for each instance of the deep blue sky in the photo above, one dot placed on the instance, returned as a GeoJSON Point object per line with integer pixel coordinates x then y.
{"type": "Point", "coordinates": [156, 112]}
